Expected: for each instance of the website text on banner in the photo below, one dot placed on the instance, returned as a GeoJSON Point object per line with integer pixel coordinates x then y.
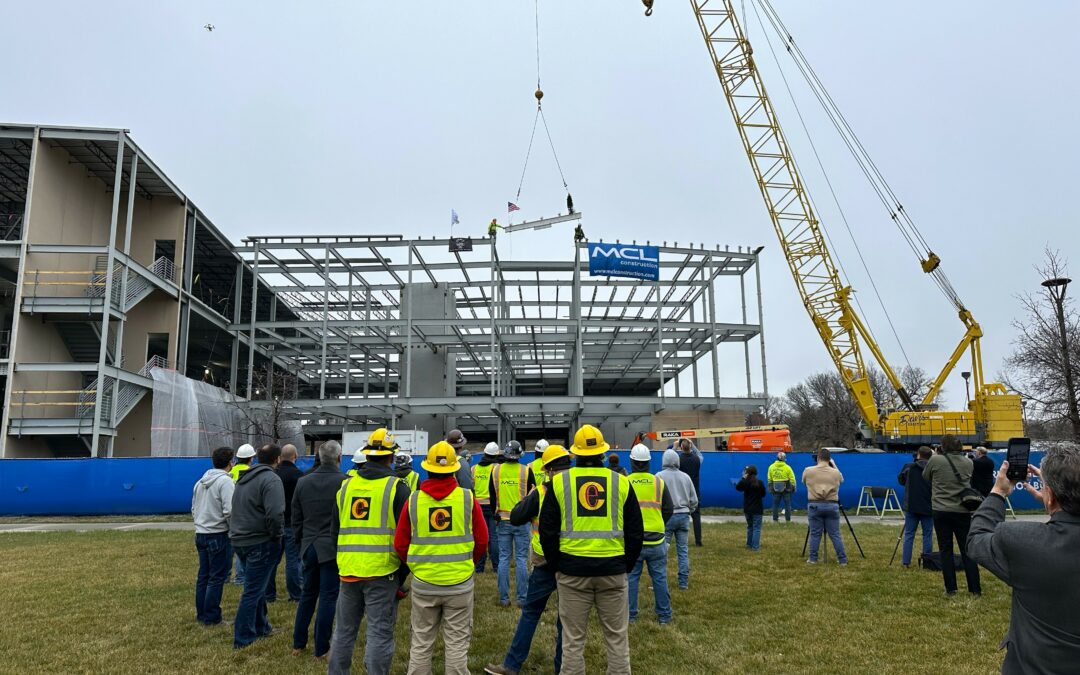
{"type": "Point", "coordinates": [624, 260]}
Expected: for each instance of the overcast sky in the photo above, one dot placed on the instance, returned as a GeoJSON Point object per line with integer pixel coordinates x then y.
{"type": "Point", "coordinates": [362, 117]}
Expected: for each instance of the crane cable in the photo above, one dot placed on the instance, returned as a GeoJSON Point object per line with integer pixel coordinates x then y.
{"type": "Point", "coordinates": [539, 94]}
{"type": "Point", "coordinates": [897, 213]}
{"type": "Point", "coordinates": [836, 201]}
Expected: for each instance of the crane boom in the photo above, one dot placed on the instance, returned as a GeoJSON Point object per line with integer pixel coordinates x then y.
{"type": "Point", "coordinates": [993, 416]}
{"type": "Point", "coordinates": [823, 293]}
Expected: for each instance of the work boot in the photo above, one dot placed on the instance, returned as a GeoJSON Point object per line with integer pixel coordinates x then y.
{"type": "Point", "coordinates": [498, 669]}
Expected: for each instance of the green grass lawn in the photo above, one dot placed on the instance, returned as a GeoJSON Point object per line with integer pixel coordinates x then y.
{"type": "Point", "coordinates": [121, 602]}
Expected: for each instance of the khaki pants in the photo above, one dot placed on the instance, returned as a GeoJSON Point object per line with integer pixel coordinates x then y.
{"type": "Point", "coordinates": [455, 613]}
{"type": "Point", "coordinates": [577, 596]}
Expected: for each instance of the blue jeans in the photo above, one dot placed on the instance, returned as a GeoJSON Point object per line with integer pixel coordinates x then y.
{"type": "Point", "coordinates": [778, 499]}
{"type": "Point", "coordinates": [493, 541]}
{"type": "Point", "coordinates": [753, 531]}
{"type": "Point", "coordinates": [679, 528]}
{"type": "Point", "coordinates": [213, 567]}
{"type": "Point", "coordinates": [825, 516]}
{"type": "Point", "coordinates": [293, 573]}
{"type": "Point", "coordinates": [251, 621]}
{"type": "Point", "coordinates": [541, 586]}
{"type": "Point", "coordinates": [513, 540]}
{"type": "Point", "coordinates": [912, 521]}
{"type": "Point", "coordinates": [655, 556]}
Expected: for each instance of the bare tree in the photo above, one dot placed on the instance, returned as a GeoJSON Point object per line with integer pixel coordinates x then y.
{"type": "Point", "coordinates": [1044, 364]}
{"type": "Point", "coordinates": [268, 417]}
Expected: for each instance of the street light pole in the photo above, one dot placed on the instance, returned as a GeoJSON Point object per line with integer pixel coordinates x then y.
{"type": "Point", "coordinates": [1056, 289]}
{"type": "Point", "coordinates": [967, 389]}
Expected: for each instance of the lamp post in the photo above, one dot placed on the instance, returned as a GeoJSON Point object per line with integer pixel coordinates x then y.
{"type": "Point", "coordinates": [1056, 289]}
{"type": "Point", "coordinates": [967, 389]}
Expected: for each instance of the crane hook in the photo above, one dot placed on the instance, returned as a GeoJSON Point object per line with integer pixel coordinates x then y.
{"type": "Point", "coordinates": [648, 7]}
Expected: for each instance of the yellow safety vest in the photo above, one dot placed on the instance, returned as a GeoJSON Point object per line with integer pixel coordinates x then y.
{"type": "Point", "coordinates": [352, 473]}
{"type": "Point", "coordinates": [511, 486]}
{"type": "Point", "coordinates": [650, 496]}
{"type": "Point", "coordinates": [412, 479]}
{"type": "Point", "coordinates": [365, 544]}
{"type": "Point", "coordinates": [481, 474]}
{"type": "Point", "coordinates": [541, 490]}
{"type": "Point", "coordinates": [441, 544]}
{"type": "Point", "coordinates": [591, 501]}
{"type": "Point", "coordinates": [238, 470]}
{"type": "Point", "coordinates": [537, 467]}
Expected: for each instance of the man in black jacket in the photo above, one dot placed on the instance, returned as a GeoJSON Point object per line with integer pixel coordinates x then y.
{"type": "Point", "coordinates": [313, 513]}
{"type": "Point", "coordinates": [1038, 561]}
{"type": "Point", "coordinates": [591, 533]}
{"type": "Point", "coordinates": [255, 529]}
{"type": "Point", "coordinates": [982, 472]}
{"type": "Point", "coordinates": [690, 464]}
{"type": "Point", "coordinates": [917, 511]}
{"type": "Point", "coordinates": [289, 474]}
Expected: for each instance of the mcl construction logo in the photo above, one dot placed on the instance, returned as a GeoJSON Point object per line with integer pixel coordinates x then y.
{"type": "Point", "coordinates": [622, 260]}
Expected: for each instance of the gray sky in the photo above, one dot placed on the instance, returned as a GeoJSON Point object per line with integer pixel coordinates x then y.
{"type": "Point", "coordinates": [364, 117]}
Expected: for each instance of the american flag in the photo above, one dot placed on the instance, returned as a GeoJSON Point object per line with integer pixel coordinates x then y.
{"type": "Point", "coordinates": [511, 207]}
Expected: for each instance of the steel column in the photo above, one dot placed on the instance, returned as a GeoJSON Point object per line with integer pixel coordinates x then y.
{"type": "Point", "coordinates": [106, 304]}
{"type": "Point", "coordinates": [118, 352]}
{"type": "Point", "coordinates": [325, 311]}
{"type": "Point", "coordinates": [761, 327]}
{"type": "Point", "coordinates": [408, 328]}
{"type": "Point", "coordinates": [712, 334]}
{"type": "Point", "coordinates": [746, 343]}
{"type": "Point", "coordinates": [234, 385]}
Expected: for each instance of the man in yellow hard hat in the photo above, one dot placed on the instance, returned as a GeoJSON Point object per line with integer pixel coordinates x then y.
{"type": "Point", "coordinates": [368, 505]}
{"type": "Point", "coordinates": [591, 534]}
{"type": "Point", "coordinates": [542, 580]}
{"type": "Point", "coordinates": [440, 535]}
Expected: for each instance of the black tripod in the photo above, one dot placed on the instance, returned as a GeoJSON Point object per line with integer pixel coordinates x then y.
{"type": "Point", "coordinates": [806, 541]}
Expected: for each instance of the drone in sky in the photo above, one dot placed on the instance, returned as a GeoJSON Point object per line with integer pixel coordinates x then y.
{"type": "Point", "coordinates": [209, 28]}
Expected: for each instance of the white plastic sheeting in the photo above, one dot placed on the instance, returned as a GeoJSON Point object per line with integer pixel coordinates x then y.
{"type": "Point", "coordinates": [191, 418]}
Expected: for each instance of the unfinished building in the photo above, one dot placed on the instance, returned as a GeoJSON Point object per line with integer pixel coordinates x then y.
{"type": "Point", "coordinates": [125, 310]}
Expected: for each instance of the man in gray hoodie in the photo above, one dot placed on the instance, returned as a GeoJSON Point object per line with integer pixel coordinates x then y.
{"type": "Point", "coordinates": [211, 505]}
{"type": "Point", "coordinates": [256, 526]}
{"type": "Point", "coordinates": [684, 499]}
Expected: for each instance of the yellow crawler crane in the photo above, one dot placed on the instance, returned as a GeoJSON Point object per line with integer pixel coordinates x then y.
{"type": "Point", "coordinates": [994, 415]}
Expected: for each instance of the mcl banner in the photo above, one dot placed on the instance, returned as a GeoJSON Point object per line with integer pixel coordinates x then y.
{"type": "Point", "coordinates": [624, 260]}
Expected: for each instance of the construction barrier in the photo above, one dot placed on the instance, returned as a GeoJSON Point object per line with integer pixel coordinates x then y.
{"type": "Point", "coordinates": [159, 485]}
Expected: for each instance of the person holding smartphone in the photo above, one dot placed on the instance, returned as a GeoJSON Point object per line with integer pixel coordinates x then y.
{"type": "Point", "coordinates": [1038, 561]}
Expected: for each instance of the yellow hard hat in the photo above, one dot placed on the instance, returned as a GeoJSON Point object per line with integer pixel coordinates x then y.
{"type": "Point", "coordinates": [441, 459]}
{"type": "Point", "coordinates": [589, 441]}
{"type": "Point", "coordinates": [380, 443]}
{"type": "Point", "coordinates": [552, 453]}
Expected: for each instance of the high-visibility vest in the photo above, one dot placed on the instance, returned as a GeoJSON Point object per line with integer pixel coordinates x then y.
{"type": "Point", "coordinates": [591, 501]}
{"type": "Point", "coordinates": [352, 473]}
{"type": "Point", "coordinates": [481, 474]}
{"type": "Point", "coordinates": [412, 479]}
{"type": "Point", "coordinates": [441, 543]}
{"type": "Point", "coordinates": [365, 543]}
{"type": "Point", "coordinates": [511, 485]}
{"type": "Point", "coordinates": [541, 491]}
{"type": "Point", "coordinates": [650, 496]}
{"type": "Point", "coordinates": [537, 467]}
{"type": "Point", "coordinates": [238, 470]}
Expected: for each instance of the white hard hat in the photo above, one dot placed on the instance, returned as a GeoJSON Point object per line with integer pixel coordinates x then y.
{"type": "Point", "coordinates": [640, 453]}
{"type": "Point", "coordinates": [541, 445]}
{"type": "Point", "coordinates": [245, 451]}
{"type": "Point", "coordinates": [492, 450]}
{"type": "Point", "coordinates": [359, 457]}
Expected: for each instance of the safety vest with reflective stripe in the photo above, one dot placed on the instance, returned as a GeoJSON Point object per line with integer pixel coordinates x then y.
{"type": "Point", "coordinates": [541, 490]}
{"type": "Point", "coordinates": [650, 495]}
{"type": "Point", "coordinates": [511, 480]}
{"type": "Point", "coordinates": [591, 501]}
{"type": "Point", "coordinates": [412, 479]}
{"type": "Point", "coordinates": [481, 474]}
{"type": "Point", "coordinates": [365, 544]}
{"type": "Point", "coordinates": [441, 543]}
{"type": "Point", "coordinates": [537, 467]}
{"type": "Point", "coordinates": [238, 470]}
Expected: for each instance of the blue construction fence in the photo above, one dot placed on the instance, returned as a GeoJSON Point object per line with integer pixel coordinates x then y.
{"type": "Point", "coordinates": [162, 485]}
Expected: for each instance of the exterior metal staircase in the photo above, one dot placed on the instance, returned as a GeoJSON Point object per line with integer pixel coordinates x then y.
{"type": "Point", "coordinates": [83, 340]}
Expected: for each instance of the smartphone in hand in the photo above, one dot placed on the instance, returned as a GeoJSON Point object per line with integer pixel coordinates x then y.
{"type": "Point", "coordinates": [1017, 455]}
